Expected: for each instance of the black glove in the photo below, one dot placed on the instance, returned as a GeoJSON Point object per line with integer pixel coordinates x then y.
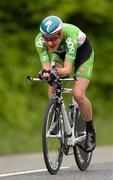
{"type": "Point", "coordinates": [53, 77]}
{"type": "Point", "coordinates": [53, 74]}
{"type": "Point", "coordinates": [40, 74]}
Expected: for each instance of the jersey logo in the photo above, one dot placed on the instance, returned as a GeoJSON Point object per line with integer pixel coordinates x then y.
{"type": "Point", "coordinates": [48, 24]}
{"type": "Point", "coordinates": [70, 45]}
{"type": "Point", "coordinates": [40, 42]}
{"type": "Point", "coordinates": [44, 58]}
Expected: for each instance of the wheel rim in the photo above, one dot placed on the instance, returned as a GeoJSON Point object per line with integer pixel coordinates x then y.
{"type": "Point", "coordinates": [82, 158]}
{"type": "Point", "coordinates": [53, 142]}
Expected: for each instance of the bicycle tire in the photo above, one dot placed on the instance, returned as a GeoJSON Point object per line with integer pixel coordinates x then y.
{"type": "Point", "coordinates": [54, 166]}
{"type": "Point", "coordinates": [82, 158]}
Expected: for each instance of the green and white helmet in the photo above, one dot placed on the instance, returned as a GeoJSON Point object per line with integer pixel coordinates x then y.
{"type": "Point", "coordinates": [51, 25]}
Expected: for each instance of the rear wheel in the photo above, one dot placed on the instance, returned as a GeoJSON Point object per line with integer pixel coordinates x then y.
{"type": "Point", "coordinates": [82, 158]}
{"type": "Point", "coordinates": [52, 144]}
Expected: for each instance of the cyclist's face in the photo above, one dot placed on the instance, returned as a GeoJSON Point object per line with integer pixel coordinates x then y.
{"type": "Point", "coordinates": [52, 42]}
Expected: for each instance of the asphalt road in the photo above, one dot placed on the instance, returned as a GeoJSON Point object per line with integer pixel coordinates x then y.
{"type": "Point", "coordinates": [32, 167]}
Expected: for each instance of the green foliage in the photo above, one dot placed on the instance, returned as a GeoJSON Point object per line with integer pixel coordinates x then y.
{"type": "Point", "coordinates": [21, 105]}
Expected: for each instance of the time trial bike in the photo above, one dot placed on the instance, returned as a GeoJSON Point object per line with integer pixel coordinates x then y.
{"type": "Point", "coordinates": [70, 129]}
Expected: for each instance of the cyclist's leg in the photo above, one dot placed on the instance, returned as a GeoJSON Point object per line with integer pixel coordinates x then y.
{"type": "Point", "coordinates": [86, 110]}
{"type": "Point", "coordinates": [84, 73]}
{"type": "Point", "coordinates": [79, 90]}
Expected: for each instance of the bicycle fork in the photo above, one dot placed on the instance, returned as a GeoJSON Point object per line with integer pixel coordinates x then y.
{"type": "Point", "coordinates": [69, 131]}
{"type": "Point", "coordinates": [66, 120]}
{"type": "Point", "coordinates": [71, 140]}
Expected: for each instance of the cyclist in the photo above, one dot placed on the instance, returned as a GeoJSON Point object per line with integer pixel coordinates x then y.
{"type": "Point", "coordinates": [67, 46]}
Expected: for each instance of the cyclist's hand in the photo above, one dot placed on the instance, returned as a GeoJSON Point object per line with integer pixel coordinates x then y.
{"type": "Point", "coordinates": [44, 74]}
{"type": "Point", "coordinates": [53, 74]}
{"type": "Point", "coordinates": [53, 77]}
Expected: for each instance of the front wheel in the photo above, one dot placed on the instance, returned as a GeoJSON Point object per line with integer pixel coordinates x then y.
{"type": "Point", "coordinates": [82, 158]}
{"type": "Point", "coordinates": [52, 144]}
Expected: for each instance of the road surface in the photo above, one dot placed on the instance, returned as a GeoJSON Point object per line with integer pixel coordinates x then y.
{"type": "Point", "coordinates": [32, 167]}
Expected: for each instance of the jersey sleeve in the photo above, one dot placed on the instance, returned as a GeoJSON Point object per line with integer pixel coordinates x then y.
{"type": "Point", "coordinates": [43, 55]}
{"type": "Point", "coordinates": [70, 33]}
{"type": "Point", "coordinates": [71, 46]}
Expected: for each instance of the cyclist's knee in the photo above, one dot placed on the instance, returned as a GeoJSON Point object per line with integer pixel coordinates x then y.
{"type": "Point", "coordinates": [79, 96]}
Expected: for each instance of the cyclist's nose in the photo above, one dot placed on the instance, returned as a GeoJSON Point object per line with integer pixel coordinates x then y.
{"type": "Point", "coordinates": [50, 43]}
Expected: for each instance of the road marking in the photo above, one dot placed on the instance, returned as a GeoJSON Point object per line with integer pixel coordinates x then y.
{"type": "Point", "coordinates": [27, 172]}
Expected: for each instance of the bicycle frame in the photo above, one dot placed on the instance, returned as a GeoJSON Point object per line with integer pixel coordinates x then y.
{"type": "Point", "coordinates": [71, 141]}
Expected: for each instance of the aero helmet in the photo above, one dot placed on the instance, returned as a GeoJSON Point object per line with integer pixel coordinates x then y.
{"type": "Point", "coordinates": [51, 25]}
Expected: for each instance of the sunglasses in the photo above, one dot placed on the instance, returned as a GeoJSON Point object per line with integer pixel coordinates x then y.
{"type": "Point", "coordinates": [51, 38]}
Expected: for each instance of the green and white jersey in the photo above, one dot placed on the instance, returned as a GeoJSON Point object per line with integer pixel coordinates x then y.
{"type": "Point", "coordinates": [72, 39]}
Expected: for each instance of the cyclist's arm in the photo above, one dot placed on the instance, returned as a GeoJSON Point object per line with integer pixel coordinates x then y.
{"type": "Point", "coordinates": [40, 47]}
{"type": "Point", "coordinates": [71, 49]}
{"type": "Point", "coordinates": [46, 66]}
{"type": "Point", "coordinates": [68, 63]}
{"type": "Point", "coordinates": [66, 70]}
{"type": "Point", "coordinates": [44, 59]}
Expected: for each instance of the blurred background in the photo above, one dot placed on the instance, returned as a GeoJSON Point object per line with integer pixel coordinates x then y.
{"type": "Point", "coordinates": [22, 105]}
